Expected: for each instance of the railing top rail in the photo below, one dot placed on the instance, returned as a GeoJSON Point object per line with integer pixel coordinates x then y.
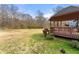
{"type": "Point", "coordinates": [64, 27]}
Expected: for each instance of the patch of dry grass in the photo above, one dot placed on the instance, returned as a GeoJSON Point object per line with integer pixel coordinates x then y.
{"type": "Point", "coordinates": [16, 41]}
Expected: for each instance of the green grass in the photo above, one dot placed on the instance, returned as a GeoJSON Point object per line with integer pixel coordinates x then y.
{"type": "Point", "coordinates": [25, 41]}
{"type": "Point", "coordinates": [52, 46]}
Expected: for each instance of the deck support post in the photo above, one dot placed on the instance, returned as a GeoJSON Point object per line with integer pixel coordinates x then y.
{"type": "Point", "coordinates": [53, 23]}
{"type": "Point", "coordinates": [77, 24]}
{"type": "Point", "coordinates": [50, 24]}
{"type": "Point", "coordinates": [61, 25]}
{"type": "Point", "coordinates": [57, 23]}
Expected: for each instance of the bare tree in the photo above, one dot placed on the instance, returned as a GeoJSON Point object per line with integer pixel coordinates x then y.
{"type": "Point", "coordinates": [4, 13]}
{"type": "Point", "coordinates": [13, 11]}
{"type": "Point", "coordinates": [11, 18]}
{"type": "Point", "coordinates": [40, 19]}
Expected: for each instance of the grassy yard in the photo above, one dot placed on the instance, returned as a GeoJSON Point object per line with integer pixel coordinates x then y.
{"type": "Point", "coordinates": [32, 41]}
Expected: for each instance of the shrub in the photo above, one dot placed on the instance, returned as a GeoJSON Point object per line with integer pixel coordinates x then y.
{"type": "Point", "coordinates": [75, 44]}
{"type": "Point", "coordinates": [50, 37]}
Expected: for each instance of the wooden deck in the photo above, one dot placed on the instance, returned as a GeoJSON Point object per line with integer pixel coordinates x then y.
{"type": "Point", "coordinates": [65, 32]}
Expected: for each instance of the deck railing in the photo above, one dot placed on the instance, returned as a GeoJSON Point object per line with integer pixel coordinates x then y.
{"type": "Point", "coordinates": [65, 31]}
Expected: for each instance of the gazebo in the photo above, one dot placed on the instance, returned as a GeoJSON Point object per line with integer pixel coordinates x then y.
{"type": "Point", "coordinates": [59, 22]}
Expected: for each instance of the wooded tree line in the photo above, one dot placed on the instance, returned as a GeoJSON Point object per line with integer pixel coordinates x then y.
{"type": "Point", "coordinates": [10, 17]}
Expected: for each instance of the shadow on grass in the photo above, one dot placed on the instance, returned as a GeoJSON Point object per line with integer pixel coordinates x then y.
{"type": "Point", "coordinates": [40, 36]}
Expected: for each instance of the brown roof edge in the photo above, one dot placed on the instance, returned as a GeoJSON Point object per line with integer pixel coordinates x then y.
{"type": "Point", "coordinates": [63, 17]}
